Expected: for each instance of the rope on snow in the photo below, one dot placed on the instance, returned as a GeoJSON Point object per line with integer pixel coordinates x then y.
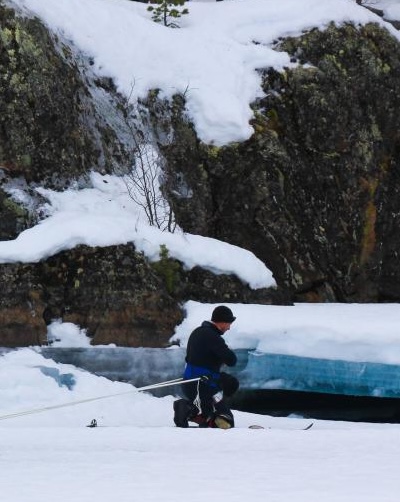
{"type": "Point", "coordinates": [177, 381]}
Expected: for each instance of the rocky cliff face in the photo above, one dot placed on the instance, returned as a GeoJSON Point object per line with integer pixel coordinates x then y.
{"type": "Point", "coordinates": [57, 122]}
{"type": "Point", "coordinates": [54, 128]}
{"type": "Point", "coordinates": [112, 292]}
{"type": "Point", "coordinates": [314, 193]}
{"type": "Point", "coordinates": [51, 130]}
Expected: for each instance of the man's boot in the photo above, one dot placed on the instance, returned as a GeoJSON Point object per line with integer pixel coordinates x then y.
{"type": "Point", "coordinates": [182, 410]}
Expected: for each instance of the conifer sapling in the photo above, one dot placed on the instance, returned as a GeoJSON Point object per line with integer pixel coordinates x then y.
{"type": "Point", "coordinates": [164, 10]}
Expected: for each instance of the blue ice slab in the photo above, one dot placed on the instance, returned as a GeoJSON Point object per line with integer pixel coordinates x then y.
{"type": "Point", "coordinates": [255, 370]}
{"type": "Point", "coordinates": [278, 371]}
{"type": "Point", "coordinates": [139, 366]}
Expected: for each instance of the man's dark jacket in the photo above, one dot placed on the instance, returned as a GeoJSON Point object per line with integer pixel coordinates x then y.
{"type": "Point", "coordinates": [207, 349]}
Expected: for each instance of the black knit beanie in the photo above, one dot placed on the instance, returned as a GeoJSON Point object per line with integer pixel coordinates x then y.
{"type": "Point", "coordinates": [222, 314]}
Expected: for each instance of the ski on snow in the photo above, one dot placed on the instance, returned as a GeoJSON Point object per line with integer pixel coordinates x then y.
{"type": "Point", "coordinates": [256, 426]}
{"type": "Point", "coordinates": [305, 428]}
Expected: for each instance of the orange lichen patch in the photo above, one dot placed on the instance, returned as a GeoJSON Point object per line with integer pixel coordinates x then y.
{"type": "Point", "coordinates": [368, 240]}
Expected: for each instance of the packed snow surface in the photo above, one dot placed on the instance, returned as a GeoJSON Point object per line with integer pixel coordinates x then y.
{"type": "Point", "coordinates": [136, 453]}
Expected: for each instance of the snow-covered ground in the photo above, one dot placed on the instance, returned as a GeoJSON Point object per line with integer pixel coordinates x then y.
{"type": "Point", "coordinates": [391, 8]}
{"type": "Point", "coordinates": [137, 454]}
{"type": "Point", "coordinates": [342, 464]}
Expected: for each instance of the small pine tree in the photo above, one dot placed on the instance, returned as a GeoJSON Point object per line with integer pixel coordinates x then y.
{"type": "Point", "coordinates": [167, 268]}
{"type": "Point", "coordinates": [164, 10]}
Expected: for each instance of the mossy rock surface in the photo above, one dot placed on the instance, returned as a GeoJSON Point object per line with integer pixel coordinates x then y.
{"type": "Point", "coordinates": [57, 120]}
{"type": "Point", "coordinates": [112, 292]}
{"type": "Point", "coordinates": [314, 193]}
{"type": "Point", "coordinates": [41, 136]}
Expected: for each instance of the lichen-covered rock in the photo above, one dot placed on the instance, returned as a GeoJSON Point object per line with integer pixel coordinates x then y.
{"type": "Point", "coordinates": [111, 292]}
{"type": "Point", "coordinates": [13, 217]}
{"type": "Point", "coordinates": [314, 192]}
{"type": "Point", "coordinates": [52, 127]}
{"type": "Point", "coordinates": [21, 306]}
{"type": "Point", "coordinates": [203, 286]}
{"type": "Point", "coordinates": [54, 115]}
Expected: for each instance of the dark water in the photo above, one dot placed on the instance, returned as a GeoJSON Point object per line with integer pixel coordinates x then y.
{"type": "Point", "coordinates": [319, 406]}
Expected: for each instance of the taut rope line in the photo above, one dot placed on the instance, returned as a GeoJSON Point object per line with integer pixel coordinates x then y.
{"type": "Point", "coordinates": [177, 381]}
